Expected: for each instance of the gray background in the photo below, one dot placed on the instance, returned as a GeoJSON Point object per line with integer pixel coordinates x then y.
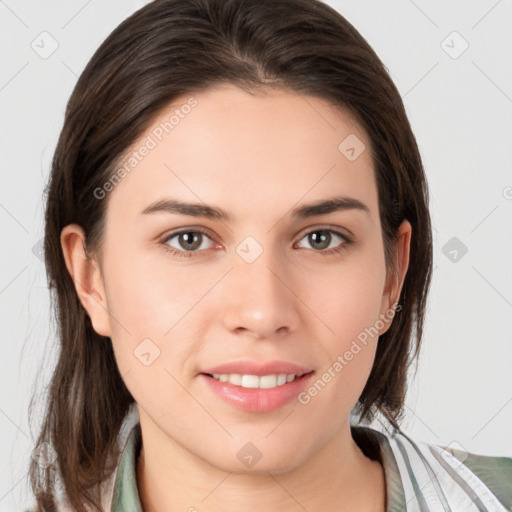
{"type": "Point", "coordinates": [460, 107]}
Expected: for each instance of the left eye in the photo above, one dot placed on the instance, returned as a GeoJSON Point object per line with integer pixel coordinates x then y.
{"type": "Point", "coordinates": [321, 239]}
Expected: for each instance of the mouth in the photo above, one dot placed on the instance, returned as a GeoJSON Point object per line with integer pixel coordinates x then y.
{"type": "Point", "coordinates": [257, 381]}
{"type": "Point", "coordinates": [256, 393]}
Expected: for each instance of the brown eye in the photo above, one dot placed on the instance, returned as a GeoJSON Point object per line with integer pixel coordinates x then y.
{"type": "Point", "coordinates": [321, 239]}
{"type": "Point", "coordinates": [190, 240]}
{"type": "Point", "coordinates": [184, 242]}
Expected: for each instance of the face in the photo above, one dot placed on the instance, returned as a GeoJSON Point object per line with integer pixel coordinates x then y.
{"type": "Point", "coordinates": [266, 281]}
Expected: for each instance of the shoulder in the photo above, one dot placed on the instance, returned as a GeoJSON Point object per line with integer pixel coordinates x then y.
{"type": "Point", "coordinates": [495, 472]}
{"type": "Point", "coordinates": [451, 474]}
{"type": "Point", "coordinates": [122, 460]}
{"type": "Point", "coordinates": [426, 476]}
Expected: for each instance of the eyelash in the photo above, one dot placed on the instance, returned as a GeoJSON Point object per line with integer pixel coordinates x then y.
{"type": "Point", "coordinates": [188, 254]}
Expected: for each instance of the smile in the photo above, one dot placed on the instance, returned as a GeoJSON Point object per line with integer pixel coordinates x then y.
{"type": "Point", "coordinates": [255, 381]}
{"type": "Point", "coordinates": [256, 393]}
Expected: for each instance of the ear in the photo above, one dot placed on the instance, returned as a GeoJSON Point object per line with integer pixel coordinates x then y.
{"type": "Point", "coordinates": [85, 273]}
{"type": "Point", "coordinates": [395, 280]}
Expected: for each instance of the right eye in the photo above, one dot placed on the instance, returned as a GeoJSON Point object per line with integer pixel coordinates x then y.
{"type": "Point", "coordinates": [188, 242]}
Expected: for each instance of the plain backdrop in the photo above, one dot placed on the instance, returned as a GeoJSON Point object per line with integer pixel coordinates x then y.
{"type": "Point", "coordinates": [451, 63]}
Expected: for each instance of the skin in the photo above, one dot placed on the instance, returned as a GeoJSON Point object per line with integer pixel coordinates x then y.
{"type": "Point", "coordinates": [257, 156]}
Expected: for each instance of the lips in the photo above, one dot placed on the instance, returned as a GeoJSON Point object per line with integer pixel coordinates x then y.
{"type": "Point", "coordinates": [246, 385]}
{"type": "Point", "coordinates": [258, 368]}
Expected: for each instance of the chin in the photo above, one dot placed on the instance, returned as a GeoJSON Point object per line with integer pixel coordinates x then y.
{"type": "Point", "coordinates": [249, 460]}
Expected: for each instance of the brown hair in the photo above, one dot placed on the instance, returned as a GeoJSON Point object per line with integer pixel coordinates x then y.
{"type": "Point", "coordinates": [174, 47]}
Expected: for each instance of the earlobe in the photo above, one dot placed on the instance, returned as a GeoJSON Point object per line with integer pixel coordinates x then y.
{"type": "Point", "coordinates": [395, 280]}
{"type": "Point", "coordinates": [85, 273]}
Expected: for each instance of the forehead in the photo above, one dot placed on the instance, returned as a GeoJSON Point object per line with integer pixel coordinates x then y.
{"type": "Point", "coordinates": [252, 151]}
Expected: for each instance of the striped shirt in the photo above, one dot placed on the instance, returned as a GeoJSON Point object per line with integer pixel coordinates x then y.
{"type": "Point", "coordinates": [420, 477]}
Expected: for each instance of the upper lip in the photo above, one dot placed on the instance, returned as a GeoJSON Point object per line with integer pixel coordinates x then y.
{"type": "Point", "coordinates": [258, 368]}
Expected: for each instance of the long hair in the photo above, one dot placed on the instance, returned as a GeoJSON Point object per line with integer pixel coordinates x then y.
{"type": "Point", "coordinates": [174, 47]}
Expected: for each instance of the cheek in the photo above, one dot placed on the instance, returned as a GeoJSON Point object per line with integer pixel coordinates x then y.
{"type": "Point", "coordinates": [347, 296]}
{"type": "Point", "coordinates": [351, 312]}
{"type": "Point", "coordinates": [347, 300]}
{"type": "Point", "coordinates": [149, 295]}
{"type": "Point", "coordinates": [152, 334]}
{"type": "Point", "coordinates": [155, 312]}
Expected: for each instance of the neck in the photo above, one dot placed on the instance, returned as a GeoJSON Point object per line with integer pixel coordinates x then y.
{"type": "Point", "coordinates": [338, 476]}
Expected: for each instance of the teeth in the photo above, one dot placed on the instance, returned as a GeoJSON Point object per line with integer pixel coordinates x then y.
{"type": "Point", "coordinates": [254, 381]}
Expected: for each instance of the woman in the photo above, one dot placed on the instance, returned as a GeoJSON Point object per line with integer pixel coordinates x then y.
{"type": "Point", "coordinates": [239, 244]}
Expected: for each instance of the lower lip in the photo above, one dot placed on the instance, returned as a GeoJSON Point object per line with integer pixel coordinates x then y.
{"type": "Point", "coordinates": [256, 399]}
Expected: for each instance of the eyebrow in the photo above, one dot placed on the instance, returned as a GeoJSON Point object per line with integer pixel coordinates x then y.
{"type": "Point", "coordinates": [322, 207]}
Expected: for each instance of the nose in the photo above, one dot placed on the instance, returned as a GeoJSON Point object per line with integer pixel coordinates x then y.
{"type": "Point", "coordinates": [258, 298]}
